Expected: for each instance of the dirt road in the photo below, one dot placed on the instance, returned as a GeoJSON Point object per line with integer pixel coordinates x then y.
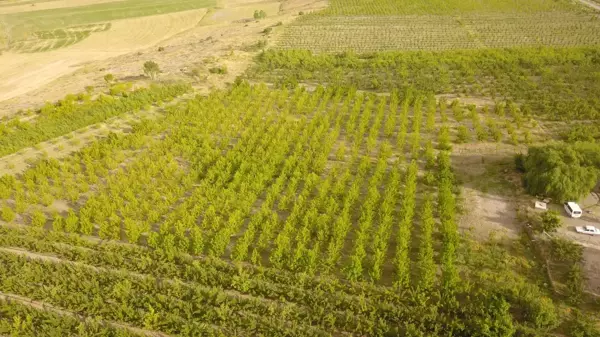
{"type": "Point", "coordinates": [591, 4]}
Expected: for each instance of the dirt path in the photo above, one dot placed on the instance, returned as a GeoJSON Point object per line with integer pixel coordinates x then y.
{"type": "Point", "coordinates": [591, 4]}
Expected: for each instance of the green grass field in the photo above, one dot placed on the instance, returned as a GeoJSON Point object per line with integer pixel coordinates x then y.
{"type": "Point", "coordinates": [26, 28]}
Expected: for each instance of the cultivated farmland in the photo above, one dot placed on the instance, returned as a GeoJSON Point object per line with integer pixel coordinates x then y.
{"type": "Point", "coordinates": [318, 194]}
{"type": "Point", "coordinates": [393, 25]}
{"type": "Point", "coordinates": [353, 191]}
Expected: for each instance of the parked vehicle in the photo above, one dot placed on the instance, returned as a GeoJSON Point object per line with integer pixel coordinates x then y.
{"type": "Point", "coordinates": [573, 209]}
{"type": "Point", "coordinates": [591, 230]}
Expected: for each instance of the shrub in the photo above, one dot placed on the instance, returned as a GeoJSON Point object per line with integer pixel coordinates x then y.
{"type": "Point", "coordinates": [38, 219]}
{"type": "Point", "coordinates": [218, 70]}
{"type": "Point", "coordinates": [260, 14]}
{"type": "Point", "coordinates": [8, 214]}
{"type": "Point", "coordinates": [550, 221]}
{"type": "Point", "coordinates": [267, 30]}
{"type": "Point", "coordinates": [574, 284]}
{"type": "Point", "coordinates": [444, 139]}
{"type": "Point", "coordinates": [566, 250]}
{"type": "Point", "coordinates": [151, 69]}
{"type": "Point", "coordinates": [582, 325]}
{"type": "Point", "coordinates": [109, 78]}
{"type": "Point", "coordinates": [463, 134]}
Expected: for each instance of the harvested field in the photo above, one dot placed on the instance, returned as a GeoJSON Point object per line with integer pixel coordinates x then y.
{"type": "Point", "coordinates": [17, 7]}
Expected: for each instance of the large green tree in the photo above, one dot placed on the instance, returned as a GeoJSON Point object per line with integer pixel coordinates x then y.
{"type": "Point", "coordinates": [562, 171]}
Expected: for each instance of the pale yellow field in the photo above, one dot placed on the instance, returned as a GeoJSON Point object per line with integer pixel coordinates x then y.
{"type": "Point", "coordinates": [19, 8]}
{"type": "Point", "coordinates": [240, 10]}
{"type": "Point", "coordinates": [189, 38]}
{"type": "Point", "coordinates": [21, 73]}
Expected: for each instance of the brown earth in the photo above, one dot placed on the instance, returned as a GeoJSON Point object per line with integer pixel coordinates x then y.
{"type": "Point", "coordinates": [222, 35]}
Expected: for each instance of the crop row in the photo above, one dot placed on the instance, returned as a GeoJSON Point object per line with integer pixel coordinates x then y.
{"type": "Point", "coordinates": [254, 185]}
{"type": "Point", "coordinates": [517, 74]}
{"type": "Point", "coordinates": [70, 114]}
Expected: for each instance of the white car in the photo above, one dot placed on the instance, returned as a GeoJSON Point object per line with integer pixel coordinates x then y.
{"type": "Point", "coordinates": [591, 230]}
{"type": "Point", "coordinates": [573, 209]}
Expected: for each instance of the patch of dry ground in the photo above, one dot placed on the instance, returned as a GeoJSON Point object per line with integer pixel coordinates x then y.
{"type": "Point", "coordinates": [477, 101]}
{"type": "Point", "coordinates": [591, 267]}
{"type": "Point", "coordinates": [488, 204]}
{"type": "Point", "coordinates": [28, 81]}
{"type": "Point", "coordinates": [486, 214]}
{"type": "Point", "coordinates": [19, 8]}
{"type": "Point", "coordinates": [491, 195]}
{"type": "Point", "coordinates": [303, 5]}
{"type": "Point", "coordinates": [21, 73]}
{"type": "Point", "coordinates": [591, 244]}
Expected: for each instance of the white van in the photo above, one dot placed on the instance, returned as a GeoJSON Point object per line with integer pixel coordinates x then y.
{"type": "Point", "coordinates": [573, 209]}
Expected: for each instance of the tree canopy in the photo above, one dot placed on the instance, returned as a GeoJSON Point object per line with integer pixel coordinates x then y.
{"type": "Point", "coordinates": [562, 171]}
{"type": "Point", "coordinates": [151, 69]}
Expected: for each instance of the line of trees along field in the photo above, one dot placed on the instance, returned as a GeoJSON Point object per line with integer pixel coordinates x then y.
{"type": "Point", "coordinates": [568, 92]}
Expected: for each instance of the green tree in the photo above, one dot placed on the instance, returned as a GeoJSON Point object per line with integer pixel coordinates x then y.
{"type": "Point", "coordinates": [151, 69]}
{"type": "Point", "coordinates": [71, 222]}
{"type": "Point", "coordinates": [108, 78]}
{"type": "Point", "coordinates": [550, 221]}
{"type": "Point", "coordinates": [463, 134]}
{"type": "Point", "coordinates": [260, 14]}
{"type": "Point", "coordinates": [8, 214]}
{"type": "Point", "coordinates": [38, 219]}
{"type": "Point", "coordinates": [562, 171]}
